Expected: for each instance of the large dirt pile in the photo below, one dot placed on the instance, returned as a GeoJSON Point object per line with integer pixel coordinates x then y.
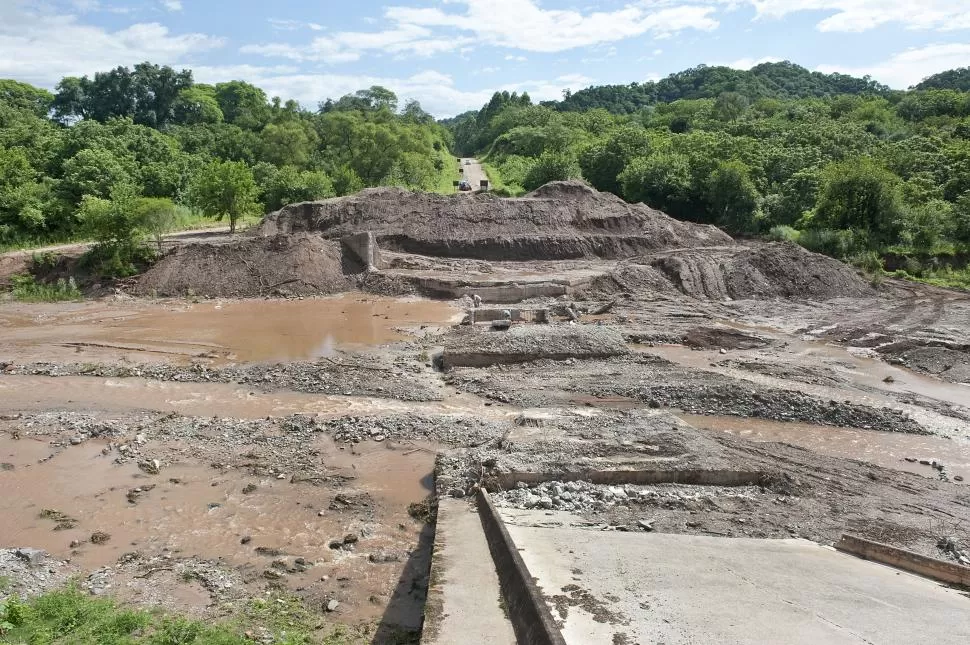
{"type": "Point", "coordinates": [299, 264]}
{"type": "Point", "coordinates": [740, 272]}
{"type": "Point", "coordinates": [560, 220]}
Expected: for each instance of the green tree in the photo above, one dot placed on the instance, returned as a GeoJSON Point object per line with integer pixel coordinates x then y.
{"type": "Point", "coordinates": [289, 143]}
{"type": "Point", "coordinates": [859, 194]}
{"type": "Point", "coordinates": [289, 185]}
{"type": "Point", "coordinates": [156, 216]}
{"type": "Point", "coordinates": [114, 226]}
{"type": "Point", "coordinates": [602, 163]}
{"type": "Point", "coordinates": [225, 189]}
{"type": "Point", "coordinates": [662, 181]}
{"type": "Point", "coordinates": [196, 105]}
{"type": "Point", "coordinates": [92, 171]}
{"type": "Point", "coordinates": [552, 167]}
{"type": "Point", "coordinates": [243, 104]}
{"type": "Point", "coordinates": [732, 197]}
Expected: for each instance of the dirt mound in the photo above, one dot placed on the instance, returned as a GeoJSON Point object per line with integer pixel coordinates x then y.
{"type": "Point", "coordinates": [560, 220]}
{"type": "Point", "coordinates": [280, 265]}
{"type": "Point", "coordinates": [754, 271]}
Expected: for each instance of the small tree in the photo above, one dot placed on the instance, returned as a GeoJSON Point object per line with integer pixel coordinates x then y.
{"type": "Point", "coordinates": [225, 189]}
{"type": "Point", "coordinates": [113, 225]}
{"type": "Point", "coordinates": [156, 216]}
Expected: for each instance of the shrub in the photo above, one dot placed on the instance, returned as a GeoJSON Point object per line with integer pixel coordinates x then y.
{"type": "Point", "coordinates": [783, 233]}
{"type": "Point", "coordinates": [27, 289]}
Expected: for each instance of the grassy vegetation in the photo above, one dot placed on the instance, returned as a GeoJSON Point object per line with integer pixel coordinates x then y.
{"type": "Point", "coordinates": [185, 220]}
{"type": "Point", "coordinates": [27, 289]}
{"type": "Point", "coordinates": [69, 616]}
{"type": "Point", "coordinates": [449, 173]}
{"type": "Point", "coordinates": [497, 183]}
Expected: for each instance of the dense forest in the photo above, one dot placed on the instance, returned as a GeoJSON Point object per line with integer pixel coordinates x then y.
{"type": "Point", "coordinates": [137, 147]}
{"type": "Point", "coordinates": [841, 165]}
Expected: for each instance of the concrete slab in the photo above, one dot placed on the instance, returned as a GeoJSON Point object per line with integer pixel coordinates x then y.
{"type": "Point", "coordinates": [678, 589]}
{"type": "Point", "coordinates": [464, 601]}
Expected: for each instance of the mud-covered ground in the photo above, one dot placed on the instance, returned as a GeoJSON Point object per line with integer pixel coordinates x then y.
{"type": "Point", "coordinates": [197, 453]}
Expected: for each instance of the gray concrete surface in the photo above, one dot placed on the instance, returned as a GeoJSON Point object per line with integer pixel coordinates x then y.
{"type": "Point", "coordinates": [464, 599]}
{"type": "Point", "coordinates": [678, 589]}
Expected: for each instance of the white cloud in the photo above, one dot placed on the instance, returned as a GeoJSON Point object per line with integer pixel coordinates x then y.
{"type": "Point", "coordinates": [518, 24]}
{"type": "Point", "coordinates": [436, 91]}
{"type": "Point", "coordinates": [909, 67]}
{"type": "Point", "coordinates": [172, 5]}
{"type": "Point", "coordinates": [748, 63]}
{"type": "Point", "coordinates": [40, 47]}
{"type": "Point", "coordinates": [518, 59]}
{"type": "Point", "coordinates": [861, 15]}
{"type": "Point", "coordinates": [349, 46]}
{"type": "Point", "coordinates": [292, 25]}
{"type": "Point", "coordinates": [523, 24]}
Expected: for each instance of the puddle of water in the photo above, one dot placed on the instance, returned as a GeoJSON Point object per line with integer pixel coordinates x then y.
{"type": "Point", "coordinates": [888, 449]}
{"type": "Point", "coordinates": [238, 330]}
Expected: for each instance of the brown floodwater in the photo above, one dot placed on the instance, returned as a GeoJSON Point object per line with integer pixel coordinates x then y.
{"type": "Point", "coordinates": [888, 449]}
{"type": "Point", "coordinates": [231, 330]}
{"type": "Point", "coordinates": [195, 511]}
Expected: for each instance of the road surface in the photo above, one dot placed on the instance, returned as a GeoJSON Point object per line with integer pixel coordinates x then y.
{"type": "Point", "coordinates": [474, 173]}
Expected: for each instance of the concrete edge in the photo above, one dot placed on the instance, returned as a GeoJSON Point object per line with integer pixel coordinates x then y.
{"type": "Point", "coordinates": [530, 616]}
{"type": "Point", "coordinates": [434, 600]}
{"type": "Point", "coordinates": [922, 565]}
{"type": "Point", "coordinates": [637, 477]}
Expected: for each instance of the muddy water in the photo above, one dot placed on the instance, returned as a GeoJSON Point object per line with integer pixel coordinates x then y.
{"type": "Point", "coordinates": [888, 449]}
{"type": "Point", "coordinates": [114, 395]}
{"type": "Point", "coordinates": [195, 511]}
{"type": "Point", "coordinates": [234, 330]}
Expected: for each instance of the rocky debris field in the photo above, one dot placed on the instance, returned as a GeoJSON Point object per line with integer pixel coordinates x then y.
{"type": "Point", "coordinates": [475, 346]}
{"type": "Point", "coordinates": [799, 493]}
{"type": "Point", "coordinates": [354, 375]}
{"type": "Point", "coordinates": [650, 380]}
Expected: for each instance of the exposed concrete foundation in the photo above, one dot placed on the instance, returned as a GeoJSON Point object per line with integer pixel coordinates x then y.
{"type": "Point", "coordinates": [364, 247]}
{"type": "Point", "coordinates": [932, 568]}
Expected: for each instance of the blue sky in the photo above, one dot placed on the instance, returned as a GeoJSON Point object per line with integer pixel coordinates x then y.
{"type": "Point", "coordinates": [451, 55]}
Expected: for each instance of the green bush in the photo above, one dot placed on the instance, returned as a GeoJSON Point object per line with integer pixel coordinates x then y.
{"type": "Point", "coordinates": [27, 289]}
{"type": "Point", "coordinates": [783, 233]}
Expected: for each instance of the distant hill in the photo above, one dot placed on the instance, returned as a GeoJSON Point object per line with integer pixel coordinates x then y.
{"type": "Point", "coordinates": [953, 79]}
{"type": "Point", "coordinates": [782, 80]}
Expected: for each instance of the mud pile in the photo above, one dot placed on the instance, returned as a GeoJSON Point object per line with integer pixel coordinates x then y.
{"type": "Point", "coordinates": [741, 272]}
{"type": "Point", "coordinates": [560, 220]}
{"type": "Point", "coordinates": [260, 266]}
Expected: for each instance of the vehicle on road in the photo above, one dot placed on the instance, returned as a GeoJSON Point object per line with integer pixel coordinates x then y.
{"type": "Point", "coordinates": [464, 186]}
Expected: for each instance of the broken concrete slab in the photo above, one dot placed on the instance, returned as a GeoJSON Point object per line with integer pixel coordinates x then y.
{"type": "Point", "coordinates": [649, 587]}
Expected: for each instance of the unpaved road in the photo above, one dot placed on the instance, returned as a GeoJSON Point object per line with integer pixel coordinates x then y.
{"type": "Point", "coordinates": [473, 172]}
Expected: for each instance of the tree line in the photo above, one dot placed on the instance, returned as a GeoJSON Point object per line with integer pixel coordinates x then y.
{"type": "Point", "coordinates": [133, 148]}
{"type": "Point", "coordinates": [843, 166]}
